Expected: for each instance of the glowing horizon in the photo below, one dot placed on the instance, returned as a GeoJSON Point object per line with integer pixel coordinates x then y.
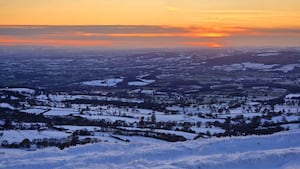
{"type": "Point", "coordinates": [145, 23]}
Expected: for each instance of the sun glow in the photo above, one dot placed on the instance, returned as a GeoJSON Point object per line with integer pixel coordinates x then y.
{"type": "Point", "coordinates": [205, 44]}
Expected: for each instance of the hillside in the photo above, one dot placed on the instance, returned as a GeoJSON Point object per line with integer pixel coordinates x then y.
{"type": "Point", "coordinates": [280, 151]}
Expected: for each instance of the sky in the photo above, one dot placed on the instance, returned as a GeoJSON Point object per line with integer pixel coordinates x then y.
{"type": "Point", "coordinates": [150, 23]}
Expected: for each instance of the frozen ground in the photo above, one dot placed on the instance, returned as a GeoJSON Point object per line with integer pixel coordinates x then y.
{"type": "Point", "coordinates": [278, 151]}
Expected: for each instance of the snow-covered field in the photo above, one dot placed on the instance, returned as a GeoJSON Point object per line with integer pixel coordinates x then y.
{"type": "Point", "coordinates": [20, 90]}
{"type": "Point", "coordinates": [19, 135]}
{"type": "Point", "coordinates": [106, 82]}
{"type": "Point", "coordinates": [278, 151]}
{"type": "Point", "coordinates": [257, 66]}
{"type": "Point", "coordinates": [142, 82]}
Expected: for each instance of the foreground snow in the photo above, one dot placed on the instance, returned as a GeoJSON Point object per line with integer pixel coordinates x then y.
{"type": "Point", "coordinates": [280, 151]}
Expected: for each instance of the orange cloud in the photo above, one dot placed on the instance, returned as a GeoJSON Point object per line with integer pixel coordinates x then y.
{"type": "Point", "coordinates": [145, 35]}
{"type": "Point", "coordinates": [6, 40]}
{"type": "Point", "coordinates": [138, 36]}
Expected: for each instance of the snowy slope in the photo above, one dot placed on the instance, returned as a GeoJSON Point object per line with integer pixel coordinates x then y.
{"type": "Point", "coordinates": [280, 151]}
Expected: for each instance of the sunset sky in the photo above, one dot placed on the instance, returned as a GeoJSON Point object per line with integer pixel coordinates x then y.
{"type": "Point", "coordinates": [150, 23]}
